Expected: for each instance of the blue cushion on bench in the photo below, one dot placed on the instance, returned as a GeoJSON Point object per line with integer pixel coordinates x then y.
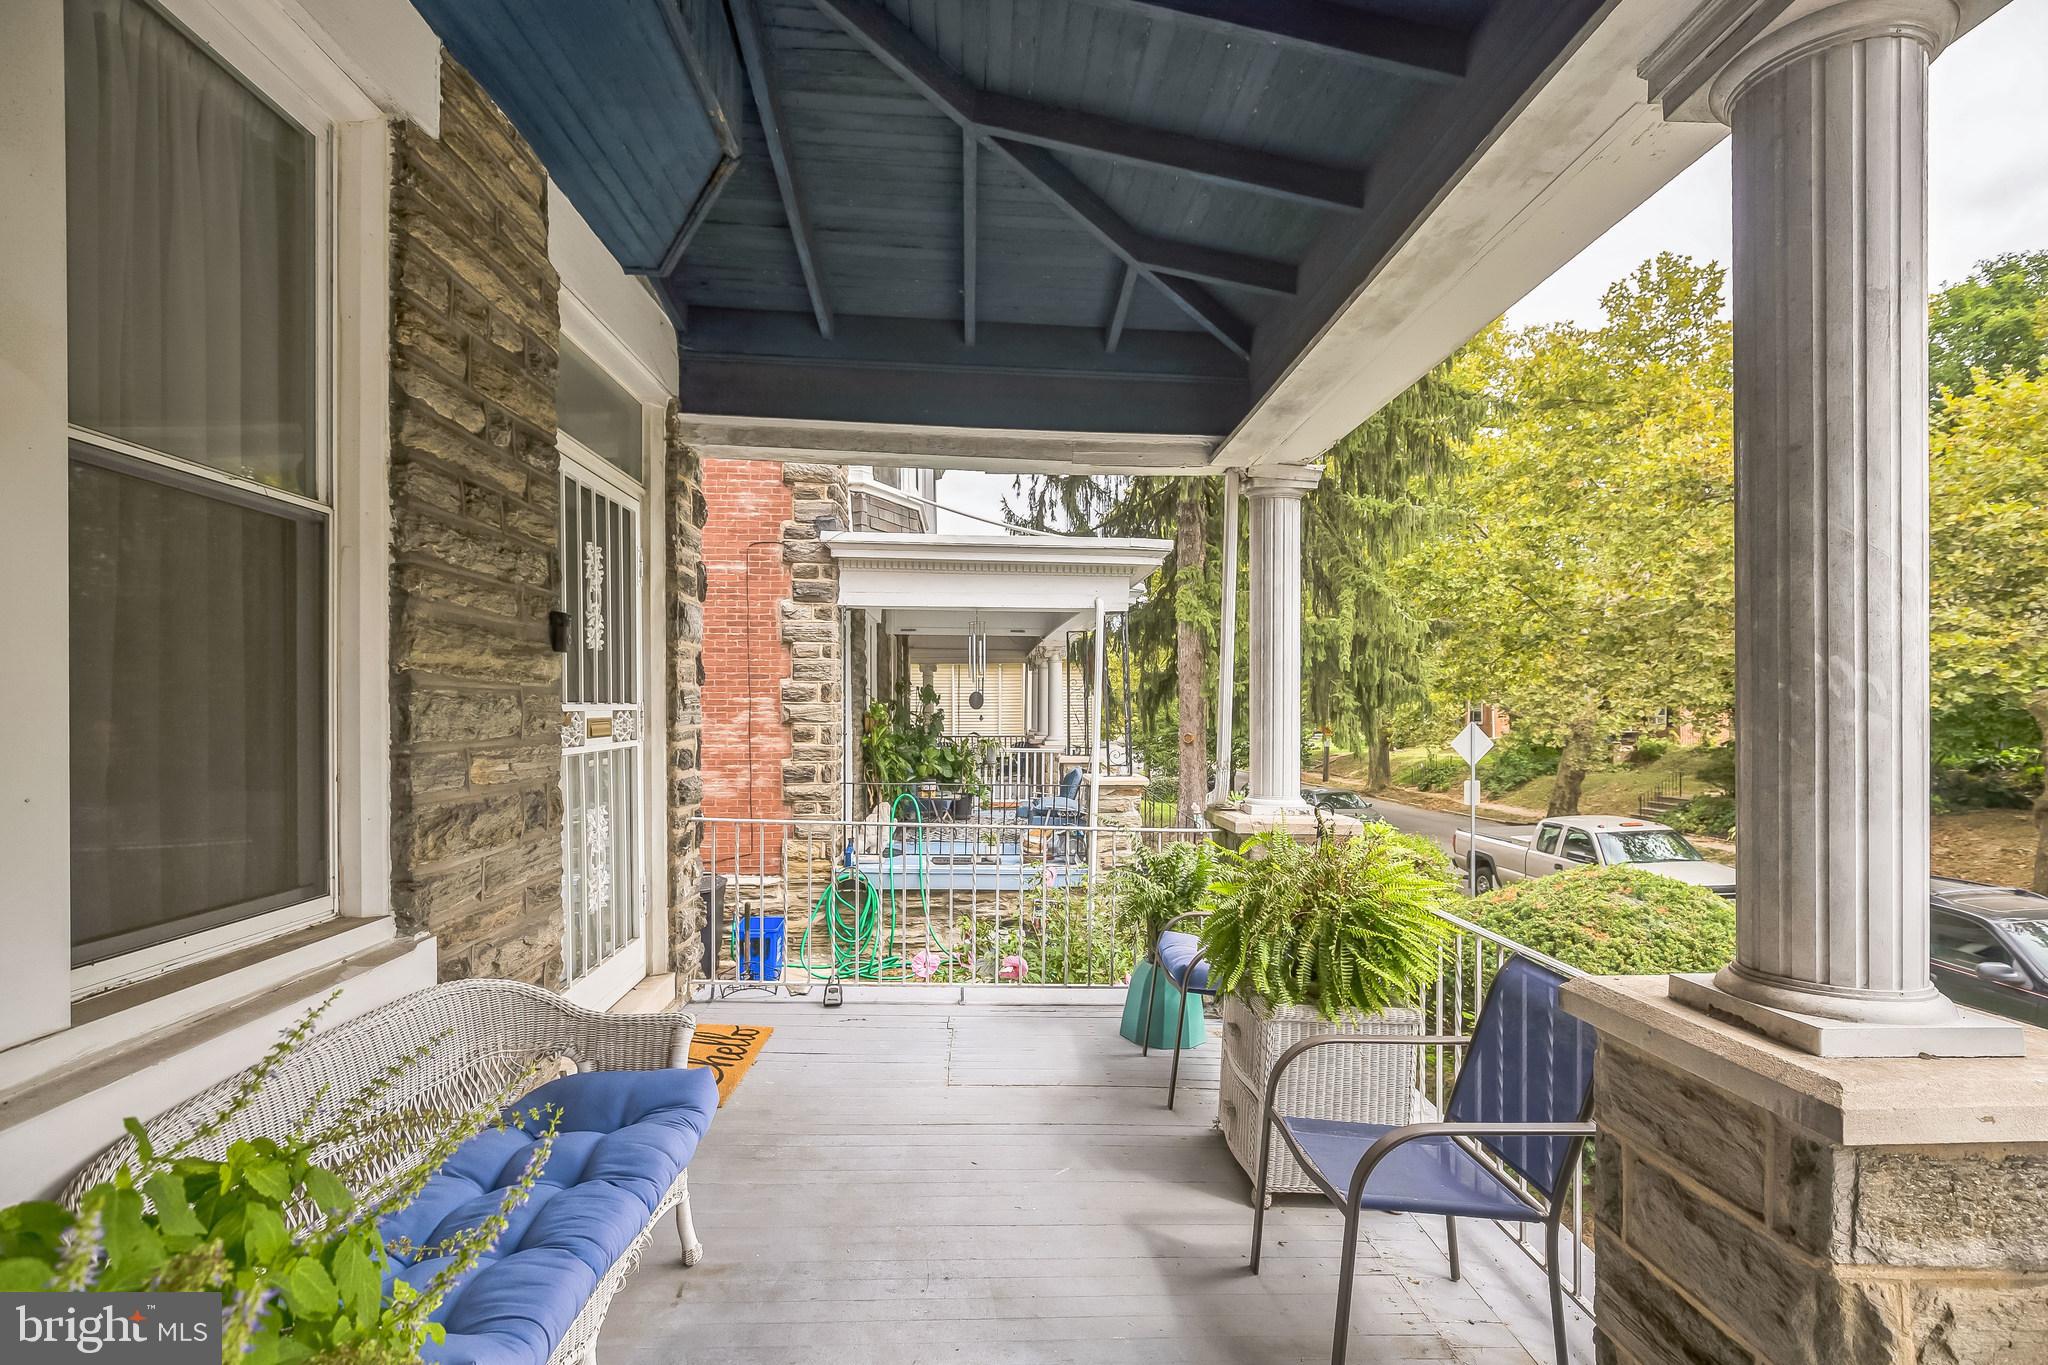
{"type": "Point", "coordinates": [1176, 951]}
{"type": "Point", "coordinates": [624, 1137]}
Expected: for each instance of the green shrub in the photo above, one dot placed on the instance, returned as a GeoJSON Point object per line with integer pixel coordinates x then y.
{"type": "Point", "coordinates": [1613, 921]}
{"type": "Point", "coordinates": [1712, 815]}
{"type": "Point", "coordinates": [2007, 779]}
{"type": "Point", "coordinates": [1514, 763]}
{"type": "Point", "coordinates": [1648, 751]}
{"type": "Point", "coordinates": [1436, 773]}
{"type": "Point", "coordinates": [1716, 766]}
{"type": "Point", "coordinates": [1348, 927]}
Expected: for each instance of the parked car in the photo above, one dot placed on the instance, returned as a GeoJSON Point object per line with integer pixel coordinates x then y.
{"type": "Point", "coordinates": [1590, 840]}
{"type": "Point", "coordinates": [1991, 948]}
{"type": "Point", "coordinates": [1338, 801]}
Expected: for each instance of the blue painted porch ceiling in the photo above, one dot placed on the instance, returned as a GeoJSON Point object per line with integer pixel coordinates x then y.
{"type": "Point", "coordinates": [1054, 214]}
{"type": "Point", "coordinates": [629, 103]}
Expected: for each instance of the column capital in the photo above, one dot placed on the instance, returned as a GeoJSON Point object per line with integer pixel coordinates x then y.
{"type": "Point", "coordinates": [1699, 73]}
{"type": "Point", "coordinates": [1283, 481]}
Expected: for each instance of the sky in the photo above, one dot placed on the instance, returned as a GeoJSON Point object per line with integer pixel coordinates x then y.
{"type": "Point", "coordinates": [1987, 193]}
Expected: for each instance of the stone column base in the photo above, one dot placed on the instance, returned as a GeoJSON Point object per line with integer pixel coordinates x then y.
{"type": "Point", "coordinates": [1234, 826]}
{"type": "Point", "coordinates": [1755, 1204]}
{"type": "Point", "coordinates": [1964, 1034]}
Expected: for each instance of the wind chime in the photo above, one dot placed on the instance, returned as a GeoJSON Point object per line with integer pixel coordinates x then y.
{"type": "Point", "coordinates": [977, 660]}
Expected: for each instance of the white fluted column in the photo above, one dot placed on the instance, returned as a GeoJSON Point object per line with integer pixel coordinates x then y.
{"type": "Point", "coordinates": [1273, 500]}
{"type": "Point", "coordinates": [1830, 296]}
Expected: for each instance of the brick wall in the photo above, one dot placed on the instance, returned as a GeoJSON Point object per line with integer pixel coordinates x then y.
{"type": "Point", "coordinates": [746, 660]}
{"type": "Point", "coordinates": [476, 710]}
{"type": "Point", "coordinates": [770, 746]}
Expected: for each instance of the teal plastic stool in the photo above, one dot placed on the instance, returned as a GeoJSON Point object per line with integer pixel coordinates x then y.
{"type": "Point", "coordinates": [1143, 978]}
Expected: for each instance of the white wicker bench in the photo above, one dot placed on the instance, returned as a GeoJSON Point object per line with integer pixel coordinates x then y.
{"type": "Point", "coordinates": [490, 1034]}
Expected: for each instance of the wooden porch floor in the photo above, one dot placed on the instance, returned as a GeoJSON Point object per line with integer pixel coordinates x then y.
{"type": "Point", "coordinates": [1000, 1184]}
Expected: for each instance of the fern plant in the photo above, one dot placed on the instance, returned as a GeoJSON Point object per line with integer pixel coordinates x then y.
{"type": "Point", "coordinates": [1347, 927]}
{"type": "Point", "coordinates": [1158, 884]}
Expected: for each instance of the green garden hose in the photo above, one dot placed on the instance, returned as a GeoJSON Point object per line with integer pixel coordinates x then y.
{"type": "Point", "coordinates": [852, 907]}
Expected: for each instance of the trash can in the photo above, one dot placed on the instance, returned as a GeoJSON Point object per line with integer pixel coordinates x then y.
{"type": "Point", "coordinates": [760, 947]}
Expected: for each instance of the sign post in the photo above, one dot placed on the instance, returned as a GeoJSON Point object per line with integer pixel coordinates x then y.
{"type": "Point", "coordinates": [1472, 744]}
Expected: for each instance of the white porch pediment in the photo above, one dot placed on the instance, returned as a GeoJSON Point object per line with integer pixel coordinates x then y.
{"type": "Point", "coordinates": [1054, 576]}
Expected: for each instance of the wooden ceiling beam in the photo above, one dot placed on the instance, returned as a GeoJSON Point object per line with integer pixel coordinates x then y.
{"type": "Point", "coordinates": [1411, 48]}
{"type": "Point", "coordinates": [1142, 253]}
{"type": "Point", "coordinates": [993, 114]}
{"type": "Point", "coordinates": [1120, 312]}
{"type": "Point", "coordinates": [970, 247]}
{"type": "Point", "coordinates": [760, 76]}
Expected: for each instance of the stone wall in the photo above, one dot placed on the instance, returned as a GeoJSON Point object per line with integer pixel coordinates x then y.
{"type": "Point", "coordinates": [476, 689]}
{"type": "Point", "coordinates": [685, 515]}
{"type": "Point", "coordinates": [1729, 1236]}
{"type": "Point", "coordinates": [812, 695]}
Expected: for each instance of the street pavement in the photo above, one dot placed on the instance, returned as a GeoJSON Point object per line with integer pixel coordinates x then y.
{"type": "Point", "coordinates": [1436, 824]}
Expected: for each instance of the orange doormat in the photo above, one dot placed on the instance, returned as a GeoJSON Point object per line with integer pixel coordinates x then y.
{"type": "Point", "coordinates": [728, 1049]}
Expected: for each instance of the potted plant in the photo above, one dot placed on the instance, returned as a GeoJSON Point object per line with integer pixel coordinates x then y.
{"type": "Point", "coordinates": [906, 748]}
{"type": "Point", "coordinates": [286, 1229]}
{"type": "Point", "coordinates": [1155, 887]}
{"type": "Point", "coordinates": [1329, 936]}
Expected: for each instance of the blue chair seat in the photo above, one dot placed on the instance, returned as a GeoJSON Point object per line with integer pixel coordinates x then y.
{"type": "Point", "coordinates": [624, 1137]}
{"type": "Point", "coordinates": [1428, 1175]}
{"type": "Point", "coordinates": [1176, 951]}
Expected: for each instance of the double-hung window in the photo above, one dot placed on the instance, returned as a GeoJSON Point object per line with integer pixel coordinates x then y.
{"type": "Point", "coordinates": [199, 492]}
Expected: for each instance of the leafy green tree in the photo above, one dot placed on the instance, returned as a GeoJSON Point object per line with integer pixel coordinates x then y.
{"type": "Point", "coordinates": [1584, 575]}
{"type": "Point", "coordinates": [1364, 650]}
{"type": "Point", "coordinates": [1993, 321]}
{"type": "Point", "coordinates": [1988, 500]}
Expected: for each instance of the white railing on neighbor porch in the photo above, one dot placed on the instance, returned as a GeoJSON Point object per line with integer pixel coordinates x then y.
{"type": "Point", "coordinates": [962, 902]}
{"type": "Point", "coordinates": [1016, 777]}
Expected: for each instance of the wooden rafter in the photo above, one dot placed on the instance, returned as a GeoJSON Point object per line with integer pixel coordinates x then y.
{"type": "Point", "coordinates": [754, 52]}
{"type": "Point", "coordinates": [1412, 48]}
{"type": "Point", "coordinates": [1120, 312]}
{"type": "Point", "coordinates": [970, 250]}
{"type": "Point", "coordinates": [1012, 117]}
{"type": "Point", "coordinates": [1137, 250]}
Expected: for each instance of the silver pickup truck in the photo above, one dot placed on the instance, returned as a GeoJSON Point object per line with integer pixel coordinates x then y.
{"type": "Point", "coordinates": [1582, 840]}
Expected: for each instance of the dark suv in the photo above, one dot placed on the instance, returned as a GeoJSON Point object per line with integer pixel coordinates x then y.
{"type": "Point", "coordinates": [1991, 948]}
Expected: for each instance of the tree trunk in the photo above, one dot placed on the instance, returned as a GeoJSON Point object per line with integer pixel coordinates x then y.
{"type": "Point", "coordinates": [1191, 663]}
{"type": "Point", "coordinates": [1326, 758]}
{"type": "Point", "coordinates": [1382, 774]}
{"type": "Point", "coordinates": [2037, 705]}
{"type": "Point", "coordinates": [1580, 746]}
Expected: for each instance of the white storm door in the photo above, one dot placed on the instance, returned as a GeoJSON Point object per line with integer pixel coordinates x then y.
{"type": "Point", "coordinates": [604, 857]}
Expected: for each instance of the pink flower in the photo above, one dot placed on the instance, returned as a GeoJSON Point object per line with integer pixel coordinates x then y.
{"type": "Point", "coordinates": [1014, 968]}
{"type": "Point", "coordinates": [925, 965]}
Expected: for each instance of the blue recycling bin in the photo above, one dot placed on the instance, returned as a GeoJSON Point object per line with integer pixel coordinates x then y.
{"type": "Point", "coordinates": [761, 945]}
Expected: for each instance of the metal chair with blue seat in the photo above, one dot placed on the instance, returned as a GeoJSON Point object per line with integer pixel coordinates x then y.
{"type": "Point", "coordinates": [1064, 808]}
{"type": "Point", "coordinates": [1178, 955]}
{"type": "Point", "coordinates": [1520, 1104]}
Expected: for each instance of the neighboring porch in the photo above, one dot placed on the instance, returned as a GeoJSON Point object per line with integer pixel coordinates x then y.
{"type": "Point", "coordinates": [924, 1182]}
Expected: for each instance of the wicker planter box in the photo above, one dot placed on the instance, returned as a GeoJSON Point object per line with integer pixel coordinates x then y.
{"type": "Point", "coordinates": [1355, 1084]}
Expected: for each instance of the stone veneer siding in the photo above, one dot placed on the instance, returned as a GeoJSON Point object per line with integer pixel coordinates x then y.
{"type": "Point", "coordinates": [812, 697]}
{"type": "Point", "coordinates": [685, 515]}
{"type": "Point", "coordinates": [1728, 1236]}
{"type": "Point", "coordinates": [476, 689]}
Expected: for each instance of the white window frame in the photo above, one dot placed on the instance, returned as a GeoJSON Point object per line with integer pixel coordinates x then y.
{"type": "Point", "coordinates": [276, 58]}
{"type": "Point", "coordinates": [584, 329]}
